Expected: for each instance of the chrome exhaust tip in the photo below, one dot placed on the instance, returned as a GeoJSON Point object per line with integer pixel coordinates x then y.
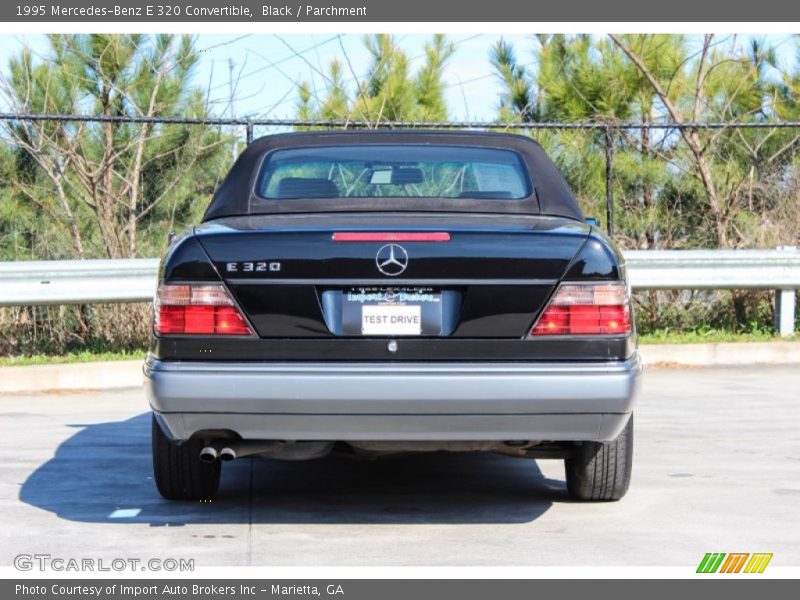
{"type": "Point", "coordinates": [208, 454]}
{"type": "Point", "coordinates": [227, 454]}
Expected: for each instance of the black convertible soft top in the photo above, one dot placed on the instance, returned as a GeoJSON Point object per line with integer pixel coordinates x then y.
{"type": "Point", "coordinates": [550, 196]}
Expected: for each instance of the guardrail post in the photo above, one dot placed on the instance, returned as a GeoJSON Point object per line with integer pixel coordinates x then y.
{"type": "Point", "coordinates": [785, 306]}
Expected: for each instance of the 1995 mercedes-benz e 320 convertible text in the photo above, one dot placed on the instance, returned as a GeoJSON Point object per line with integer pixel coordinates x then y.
{"type": "Point", "coordinates": [379, 292]}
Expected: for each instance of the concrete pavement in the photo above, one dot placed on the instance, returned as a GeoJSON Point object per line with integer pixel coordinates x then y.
{"type": "Point", "coordinates": [717, 468]}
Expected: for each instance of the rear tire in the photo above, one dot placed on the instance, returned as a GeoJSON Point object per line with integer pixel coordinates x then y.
{"type": "Point", "coordinates": [178, 471]}
{"type": "Point", "coordinates": [601, 471]}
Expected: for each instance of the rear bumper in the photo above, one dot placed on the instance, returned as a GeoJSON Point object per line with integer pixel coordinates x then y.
{"type": "Point", "coordinates": [394, 401]}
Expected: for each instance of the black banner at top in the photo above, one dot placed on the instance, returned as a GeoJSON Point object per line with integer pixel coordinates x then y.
{"type": "Point", "coordinates": [388, 11]}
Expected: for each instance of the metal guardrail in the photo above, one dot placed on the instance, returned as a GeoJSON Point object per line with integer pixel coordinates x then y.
{"type": "Point", "coordinates": [24, 283]}
{"type": "Point", "coordinates": [134, 280]}
{"type": "Point", "coordinates": [777, 270]}
{"type": "Point", "coordinates": [714, 269]}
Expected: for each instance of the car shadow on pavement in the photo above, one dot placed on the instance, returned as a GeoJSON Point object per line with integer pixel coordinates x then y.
{"type": "Point", "coordinates": [102, 473]}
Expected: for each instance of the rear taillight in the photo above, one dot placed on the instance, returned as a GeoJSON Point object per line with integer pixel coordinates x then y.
{"type": "Point", "coordinates": [198, 310]}
{"type": "Point", "coordinates": [586, 309]}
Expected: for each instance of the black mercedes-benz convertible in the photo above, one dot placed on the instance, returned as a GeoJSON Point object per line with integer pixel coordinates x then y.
{"type": "Point", "coordinates": [379, 292]}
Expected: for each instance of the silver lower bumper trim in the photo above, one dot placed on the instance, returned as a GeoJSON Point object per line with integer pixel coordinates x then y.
{"type": "Point", "coordinates": [395, 401]}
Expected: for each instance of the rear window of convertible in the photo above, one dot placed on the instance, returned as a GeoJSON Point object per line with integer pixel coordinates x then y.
{"type": "Point", "coordinates": [393, 171]}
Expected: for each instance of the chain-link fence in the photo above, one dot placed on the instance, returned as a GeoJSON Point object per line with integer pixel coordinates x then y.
{"type": "Point", "coordinates": [660, 185]}
{"type": "Point", "coordinates": [648, 181]}
{"type": "Point", "coordinates": [76, 186]}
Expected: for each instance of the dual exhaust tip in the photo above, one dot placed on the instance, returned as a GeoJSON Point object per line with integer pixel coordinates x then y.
{"type": "Point", "coordinates": [228, 450]}
{"type": "Point", "coordinates": [209, 454]}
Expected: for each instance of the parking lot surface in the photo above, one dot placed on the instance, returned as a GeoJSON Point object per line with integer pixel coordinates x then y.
{"type": "Point", "coordinates": [716, 469]}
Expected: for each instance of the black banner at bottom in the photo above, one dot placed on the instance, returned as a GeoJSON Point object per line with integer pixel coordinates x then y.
{"type": "Point", "coordinates": [384, 589]}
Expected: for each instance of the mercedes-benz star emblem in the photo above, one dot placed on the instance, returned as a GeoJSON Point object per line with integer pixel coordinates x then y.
{"type": "Point", "coordinates": [392, 260]}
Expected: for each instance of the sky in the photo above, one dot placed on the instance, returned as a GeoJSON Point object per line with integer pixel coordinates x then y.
{"type": "Point", "coordinates": [266, 68]}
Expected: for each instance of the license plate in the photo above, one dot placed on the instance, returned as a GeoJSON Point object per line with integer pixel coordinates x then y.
{"type": "Point", "coordinates": [391, 319]}
{"type": "Point", "coordinates": [378, 311]}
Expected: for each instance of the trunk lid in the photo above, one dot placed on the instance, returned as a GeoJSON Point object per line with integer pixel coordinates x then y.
{"type": "Point", "coordinates": [294, 277]}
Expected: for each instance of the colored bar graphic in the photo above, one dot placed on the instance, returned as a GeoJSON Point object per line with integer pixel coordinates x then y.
{"type": "Point", "coordinates": [758, 562]}
{"type": "Point", "coordinates": [701, 567]}
{"type": "Point", "coordinates": [713, 562]}
{"type": "Point", "coordinates": [710, 562]}
{"type": "Point", "coordinates": [732, 558]}
{"type": "Point", "coordinates": [734, 562]}
{"type": "Point", "coordinates": [717, 562]}
{"type": "Point", "coordinates": [740, 564]}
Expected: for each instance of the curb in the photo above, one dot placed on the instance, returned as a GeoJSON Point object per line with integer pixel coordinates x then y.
{"type": "Point", "coordinates": [71, 376]}
{"type": "Point", "coordinates": [721, 354]}
{"type": "Point", "coordinates": [128, 373]}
